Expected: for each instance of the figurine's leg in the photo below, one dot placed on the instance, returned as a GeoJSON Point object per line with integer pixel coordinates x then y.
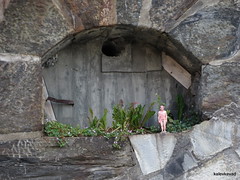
{"type": "Point", "coordinates": [161, 123]}
{"type": "Point", "coordinates": [164, 125]}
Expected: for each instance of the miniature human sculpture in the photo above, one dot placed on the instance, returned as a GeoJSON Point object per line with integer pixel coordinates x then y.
{"type": "Point", "coordinates": [162, 118]}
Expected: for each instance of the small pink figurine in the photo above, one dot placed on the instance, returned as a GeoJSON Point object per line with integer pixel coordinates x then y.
{"type": "Point", "coordinates": [162, 118]}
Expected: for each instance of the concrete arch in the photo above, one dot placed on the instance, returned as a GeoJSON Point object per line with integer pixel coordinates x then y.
{"type": "Point", "coordinates": [160, 40]}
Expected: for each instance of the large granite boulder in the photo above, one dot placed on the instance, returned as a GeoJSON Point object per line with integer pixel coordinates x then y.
{"type": "Point", "coordinates": [212, 32]}
{"type": "Point", "coordinates": [20, 93]}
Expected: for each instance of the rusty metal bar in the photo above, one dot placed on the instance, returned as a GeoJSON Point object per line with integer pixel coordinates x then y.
{"type": "Point", "coordinates": [62, 101]}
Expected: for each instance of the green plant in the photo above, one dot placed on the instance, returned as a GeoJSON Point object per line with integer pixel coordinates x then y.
{"type": "Point", "coordinates": [148, 114]}
{"type": "Point", "coordinates": [59, 130]}
{"type": "Point", "coordinates": [119, 116]}
{"type": "Point", "coordinates": [131, 117]}
{"type": "Point", "coordinates": [180, 106]}
{"type": "Point", "coordinates": [192, 119]}
{"type": "Point", "coordinates": [128, 120]}
{"type": "Point", "coordinates": [153, 129]}
{"type": "Point", "coordinates": [176, 126]}
{"type": "Point", "coordinates": [120, 136]}
{"type": "Point", "coordinates": [96, 123]}
{"type": "Point", "coordinates": [61, 142]}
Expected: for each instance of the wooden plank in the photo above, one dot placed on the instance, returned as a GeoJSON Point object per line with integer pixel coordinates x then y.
{"type": "Point", "coordinates": [48, 110]}
{"type": "Point", "coordinates": [176, 70]}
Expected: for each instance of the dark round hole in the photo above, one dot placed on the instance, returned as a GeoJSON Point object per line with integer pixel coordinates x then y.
{"type": "Point", "coordinates": [109, 48]}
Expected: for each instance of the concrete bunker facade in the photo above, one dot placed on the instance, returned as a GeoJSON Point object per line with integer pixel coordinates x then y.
{"type": "Point", "coordinates": [103, 66]}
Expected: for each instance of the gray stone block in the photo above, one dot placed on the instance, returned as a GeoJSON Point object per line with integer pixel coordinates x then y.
{"type": "Point", "coordinates": [211, 137]}
{"type": "Point", "coordinates": [153, 151]}
{"type": "Point", "coordinates": [20, 93]}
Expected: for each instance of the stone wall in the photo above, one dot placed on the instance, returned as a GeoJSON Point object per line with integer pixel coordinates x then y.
{"type": "Point", "coordinates": [210, 147]}
{"type": "Point", "coordinates": [21, 93]}
{"type": "Point", "coordinates": [219, 86]}
{"type": "Point", "coordinates": [191, 31]}
{"type": "Point", "coordinates": [82, 158]}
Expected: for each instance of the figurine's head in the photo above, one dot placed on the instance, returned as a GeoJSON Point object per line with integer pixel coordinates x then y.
{"type": "Point", "coordinates": [161, 107]}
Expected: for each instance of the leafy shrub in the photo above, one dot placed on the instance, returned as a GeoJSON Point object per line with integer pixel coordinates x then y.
{"type": "Point", "coordinates": [119, 116]}
{"type": "Point", "coordinates": [131, 117]}
{"type": "Point", "coordinates": [152, 129]}
{"type": "Point", "coordinates": [96, 123]}
{"type": "Point", "coordinates": [182, 125]}
{"type": "Point", "coordinates": [192, 118]}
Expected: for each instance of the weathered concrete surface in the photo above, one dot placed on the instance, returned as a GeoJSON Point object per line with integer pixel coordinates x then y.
{"type": "Point", "coordinates": [20, 136]}
{"type": "Point", "coordinates": [153, 151]}
{"type": "Point", "coordinates": [219, 86]}
{"type": "Point", "coordinates": [82, 158]}
{"type": "Point", "coordinates": [212, 32]}
{"type": "Point", "coordinates": [122, 35]}
{"type": "Point", "coordinates": [82, 73]}
{"type": "Point", "coordinates": [20, 93]}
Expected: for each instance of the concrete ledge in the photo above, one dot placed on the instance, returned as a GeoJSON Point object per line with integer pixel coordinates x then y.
{"type": "Point", "coordinates": [21, 136]}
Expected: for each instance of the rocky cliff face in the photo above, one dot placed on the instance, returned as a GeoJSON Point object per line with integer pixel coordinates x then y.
{"type": "Point", "coordinates": [190, 31]}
